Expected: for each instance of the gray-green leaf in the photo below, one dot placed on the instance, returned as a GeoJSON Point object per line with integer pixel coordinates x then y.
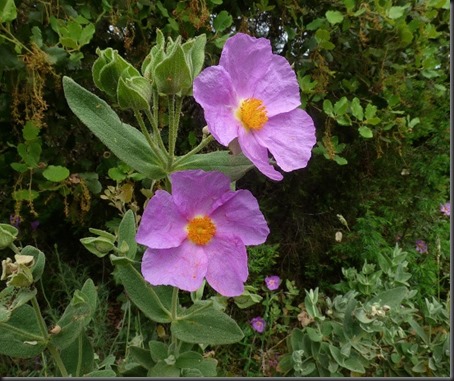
{"type": "Point", "coordinates": [126, 142]}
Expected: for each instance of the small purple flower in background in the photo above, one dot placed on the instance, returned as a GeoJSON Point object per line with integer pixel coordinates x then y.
{"type": "Point", "coordinates": [446, 208]}
{"type": "Point", "coordinates": [421, 246]}
{"type": "Point", "coordinates": [251, 103]}
{"type": "Point", "coordinates": [34, 225]}
{"type": "Point", "coordinates": [200, 231]}
{"type": "Point", "coordinates": [272, 282]}
{"type": "Point", "coordinates": [258, 324]}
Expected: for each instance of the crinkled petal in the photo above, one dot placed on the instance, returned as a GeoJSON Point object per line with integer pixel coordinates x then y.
{"type": "Point", "coordinates": [162, 226]}
{"type": "Point", "coordinates": [239, 215]}
{"type": "Point", "coordinates": [290, 138]}
{"type": "Point", "coordinates": [227, 265]}
{"type": "Point", "coordinates": [278, 89]}
{"type": "Point", "coordinates": [184, 266]}
{"type": "Point", "coordinates": [246, 59]}
{"type": "Point", "coordinates": [214, 92]}
{"type": "Point", "coordinates": [195, 191]}
{"type": "Point", "coordinates": [257, 153]}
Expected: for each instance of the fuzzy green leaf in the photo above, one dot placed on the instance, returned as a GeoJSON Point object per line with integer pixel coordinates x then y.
{"type": "Point", "coordinates": [39, 261]}
{"type": "Point", "coordinates": [206, 326]}
{"type": "Point", "coordinates": [78, 360]}
{"type": "Point", "coordinates": [126, 142]}
{"type": "Point", "coordinates": [21, 336]}
{"type": "Point", "coordinates": [127, 233]}
{"type": "Point", "coordinates": [152, 301]}
{"type": "Point", "coordinates": [76, 316]}
{"type": "Point", "coordinates": [234, 166]}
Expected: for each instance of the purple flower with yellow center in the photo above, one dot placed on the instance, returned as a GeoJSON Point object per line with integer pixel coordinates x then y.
{"type": "Point", "coordinates": [200, 231]}
{"type": "Point", "coordinates": [258, 324]}
{"type": "Point", "coordinates": [272, 282]}
{"type": "Point", "coordinates": [446, 208]}
{"type": "Point", "coordinates": [421, 246]}
{"type": "Point", "coordinates": [251, 103]}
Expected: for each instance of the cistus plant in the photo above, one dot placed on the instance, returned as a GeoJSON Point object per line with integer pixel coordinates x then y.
{"type": "Point", "coordinates": [196, 229]}
{"type": "Point", "coordinates": [372, 328]}
{"type": "Point", "coordinates": [23, 330]}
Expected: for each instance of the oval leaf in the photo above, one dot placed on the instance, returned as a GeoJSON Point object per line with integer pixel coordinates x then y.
{"type": "Point", "coordinates": [365, 132]}
{"type": "Point", "coordinates": [126, 142]}
{"type": "Point", "coordinates": [334, 17]}
{"type": "Point", "coordinates": [234, 166]}
{"type": "Point", "coordinates": [127, 233]}
{"type": "Point", "coordinates": [207, 326]}
{"type": "Point", "coordinates": [56, 173]}
{"type": "Point", "coordinates": [148, 299]}
{"type": "Point", "coordinates": [19, 332]}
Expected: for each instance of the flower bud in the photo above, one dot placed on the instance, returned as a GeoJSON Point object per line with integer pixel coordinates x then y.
{"type": "Point", "coordinates": [100, 246]}
{"type": "Point", "coordinates": [134, 93]}
{"type": "Point", "coordinates": [108, 69]}
{"type": "Point", "coordinates": [172, 67]}
{"type": "Point", "coordinates": [8, 234]}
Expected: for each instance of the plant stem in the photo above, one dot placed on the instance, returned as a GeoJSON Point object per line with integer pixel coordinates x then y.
{"type": "Point", "coordinates": [205, 141]}
{"type": "Point", "coordinates": [155, 108]}
{"type": "Point", "coordinates": [53, 351]}
{"type": "Point", "coordinates": [156, 150]}
{"type": "Point", "coordinates": [174, 305]}
{"type": "Point", "coordinates": [14, 248]}
{"type": "Point", "coordinates": [56, 356]}
{"type": "Point", "coordinates": [173, 312]}
{"type": "Point", "coordinates": [13, 39]}
{"type": "Point", "coordinates": [154, 124]}
{"type": "Point", "coordinates": [42, 324]}
{"type": "Point", "coordinates": [175, 105]}
{"type": "Point", "coordinates": [172, 130]}
{"type": "Point", "coordinates": [79, 356]}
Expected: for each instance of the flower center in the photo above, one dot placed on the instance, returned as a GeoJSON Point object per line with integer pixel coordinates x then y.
{"type": "Point", "coordinates": [201, 230]}
{"type": "Point", "coordinates": [252, 113]}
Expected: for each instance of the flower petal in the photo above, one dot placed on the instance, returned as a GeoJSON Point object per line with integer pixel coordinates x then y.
{"type": "Point", "coordinates": [290, 138]}
{"type": "Point", "coordinates": [246, 59]}
{"type": "Point", "coordinates": [195, 191]}
{"type": "Point", "coordinates": [278, 89]}
{"type": "Point", "coordinates": [162, 226]}
{"type": "Point", "coordinates": [184, 266]}
{"type": "Point", "coordinates": [227, 265]}
{"type": "Point", "coordinates": [240, 216]}
{"type": "Point", "coordinates": [214, 92]}
{"type": "Point", "coordinates": [257, 153]}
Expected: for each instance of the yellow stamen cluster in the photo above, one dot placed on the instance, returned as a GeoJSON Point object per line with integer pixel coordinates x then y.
{"type": "Point", "coordinates": [252, 113]}
{"type": "Point", "coordinates": [201, 230]}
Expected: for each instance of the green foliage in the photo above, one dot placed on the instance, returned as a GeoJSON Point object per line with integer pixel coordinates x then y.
{"type": "Point", "coordinates": [374, 77]}
{"type": "Point", "coordinates": [372, 329]}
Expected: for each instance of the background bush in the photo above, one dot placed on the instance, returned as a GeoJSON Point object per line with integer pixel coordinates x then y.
{"type": "Point", "coordinates": [373, 75]}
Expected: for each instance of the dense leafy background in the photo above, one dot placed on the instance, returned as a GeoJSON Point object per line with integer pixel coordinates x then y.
{"type": "Point", "coordinates": [373, 75]}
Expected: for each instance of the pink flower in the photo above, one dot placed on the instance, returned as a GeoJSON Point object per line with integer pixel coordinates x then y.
{"type": "Point", "coordinates": [258, 324]}
{"type": "Point", "coordinates": [421, 246]}
{"type": "Point", "coordinates": [446, 208]}
{"type": "Point", "coordinates": [251, 100]}
{"type": "Point", "coordinates": [272, 282]}
{"type": "Point", "coordinates": [200, 231]}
